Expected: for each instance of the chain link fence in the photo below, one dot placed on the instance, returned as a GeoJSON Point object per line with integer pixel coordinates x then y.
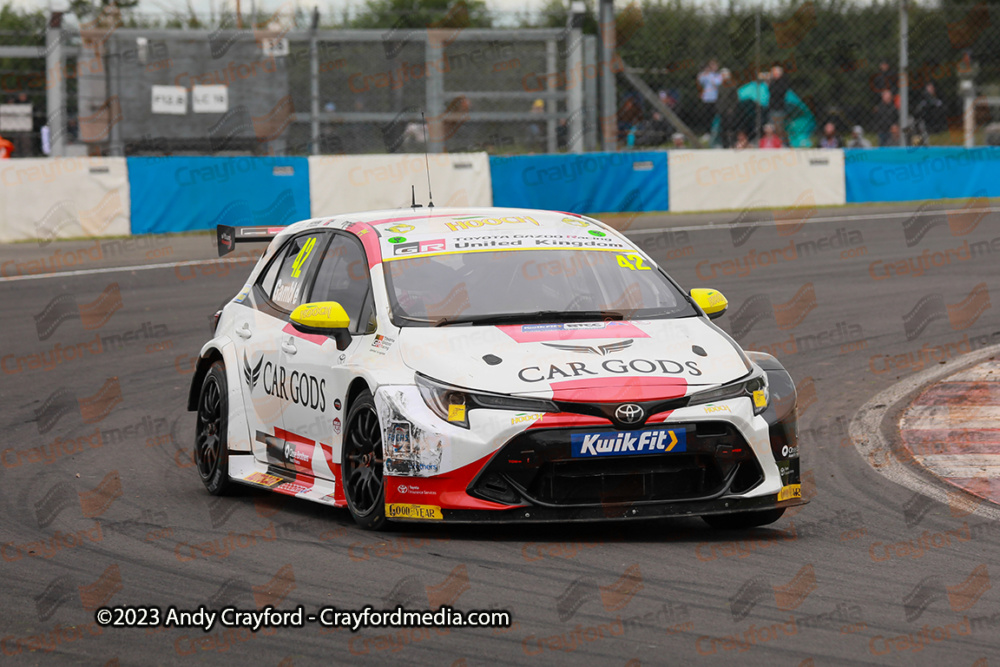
{"type": "Point", "coordinates": [685, 74]}
{"type": "Point", "coordinates": [837, 64]}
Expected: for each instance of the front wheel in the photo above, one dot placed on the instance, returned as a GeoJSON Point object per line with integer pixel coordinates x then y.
{"type": "Point", "coordinates": [743, 520]}
{"type": "Point", "coordinates": [362, 464]}
{"type": "Point", "coordinates": [211, 452]}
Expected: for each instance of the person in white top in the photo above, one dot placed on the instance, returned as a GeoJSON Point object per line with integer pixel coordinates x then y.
{"type": "Point", "coordinates": [709, 80]}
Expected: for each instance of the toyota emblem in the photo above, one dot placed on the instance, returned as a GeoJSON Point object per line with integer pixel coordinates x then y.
{"type": "Point", "coordinates": [628, 413]}
{"type": "Point", "coordinates": [401, 488]}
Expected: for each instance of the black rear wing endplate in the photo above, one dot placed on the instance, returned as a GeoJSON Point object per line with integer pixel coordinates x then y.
{"type": "Point", "coordinates": [227, 237]}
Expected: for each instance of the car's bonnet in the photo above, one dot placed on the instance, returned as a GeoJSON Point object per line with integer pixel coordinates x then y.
{"type": "Point", "coordinates": [638, 360]}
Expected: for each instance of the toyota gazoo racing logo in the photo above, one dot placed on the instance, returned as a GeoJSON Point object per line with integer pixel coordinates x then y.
{"type": "Point", "coordinates": [617, 366]}
{"type": "Point", "coordinates": [629, 413]}
{"type": "Point", "coordinates": [437, 245]}
{"type": "Point", "coordinates": [299, 388]}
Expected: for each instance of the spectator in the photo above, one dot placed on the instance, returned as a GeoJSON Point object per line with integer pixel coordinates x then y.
{"type": "Point", "coordinates": [929, 113]}
{"type": "Point", "coordinates": [728, 107]}
{"type": "Point", "coordinates": [742, 141]}
{"type": "Point", "coordinates": [629, 117]}
{"type": "Point", "coordinates": [858, 139]}
{"type": "Point", "coordinates": [884, 79]}
{"type": "Point", "coordinates": [777, 89]}
{"type": "Point", "coordinates": [678, 139]}
{"type": "Point", "coordinates": [884, 116]}
{"type": "Point", "coordinates": [829, 139]}
{"type": "Point", "coordinates": [653, 132]}
{"type": "Point", "coordinates": [710, 80]}
{"type": "Point", "coordinates": [770, 138]}
{"type": "Point", "coordinates": [893, 135]}
{"type": "Point", "coordinates": [535, 129]}
{"type": "Point", "coordinates": [6, 148]}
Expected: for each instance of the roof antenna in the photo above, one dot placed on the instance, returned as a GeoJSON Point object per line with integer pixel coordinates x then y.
{"type": "Point", "coordinates": [427, 165]}
{"type": "Point", "coordinates": [413, 194]}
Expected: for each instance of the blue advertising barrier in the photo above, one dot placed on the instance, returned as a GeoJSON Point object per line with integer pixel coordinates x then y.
{"type": "Point", "coordinates": [582, 183]}
{"type": "Point", "coordinates": [179, 194]}
{"type": "Point", "coordinates": [918, 174]}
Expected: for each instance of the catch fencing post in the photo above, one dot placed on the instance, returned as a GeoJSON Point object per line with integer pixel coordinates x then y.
{"type": "Point", "coordinates": [609, 116]}
{"type": "Point", "coordinates": [55, 91]}
{"type": "Point", "coordinates": [314, 85]}
{"type": "Point", "coordinates": [575, 77]}
{"type": "Point", "coordinates": [904, 62]}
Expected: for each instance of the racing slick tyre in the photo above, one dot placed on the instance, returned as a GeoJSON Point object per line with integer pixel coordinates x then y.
{"type": "Point", "coordinates": [743, 519]}
{"type": "Point", "coordinates": [211, 451]}
{"type": "Point", "coordinates": [362, 465]}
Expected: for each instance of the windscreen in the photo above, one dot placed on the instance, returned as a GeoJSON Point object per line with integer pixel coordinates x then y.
{"type": "Point", "coordinates": [482, 286]}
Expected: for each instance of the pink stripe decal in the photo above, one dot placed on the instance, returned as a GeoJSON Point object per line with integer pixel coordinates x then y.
{"type": "Point", "coordinates": [312, 338]}
{"type": "Point", "coordinates": [534, 333]}
{"type": "Point", "coordinates": [386, 221]}
{"type": "Point", "coordinates": [619, 390]}
{"type": "Point", "coordinates": [369, 239]}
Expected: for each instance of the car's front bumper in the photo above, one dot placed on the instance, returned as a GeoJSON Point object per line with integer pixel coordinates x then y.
{"type": "Point", "coordinates": [438, 472]}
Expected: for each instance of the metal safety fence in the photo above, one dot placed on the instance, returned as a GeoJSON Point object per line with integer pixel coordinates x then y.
{"type": "Point", "coordinates": [677, 74]}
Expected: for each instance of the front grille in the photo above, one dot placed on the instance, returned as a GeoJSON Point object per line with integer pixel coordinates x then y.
{"type": "Point", "coordinates": [536, 467]}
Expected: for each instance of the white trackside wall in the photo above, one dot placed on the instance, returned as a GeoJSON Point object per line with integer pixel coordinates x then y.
{"type": "Point", "coordinates": [712, 180]}
{"type": "Point", "coordinates": [58, 198]}
{"type": "Point", "coordinates": [350, 183]}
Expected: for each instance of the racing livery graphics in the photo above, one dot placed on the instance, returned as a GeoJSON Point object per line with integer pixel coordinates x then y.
{"type": "Point", "coordinates": [487, 365]}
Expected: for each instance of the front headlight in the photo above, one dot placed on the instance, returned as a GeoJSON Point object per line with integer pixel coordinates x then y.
{"type": "Point", "coordinates": [754, 387]}
{"type": "Point", "coordinates": [452, 404]}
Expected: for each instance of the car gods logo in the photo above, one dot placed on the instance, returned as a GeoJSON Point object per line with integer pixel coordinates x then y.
{"type": "Point", "coordinates": [299, 388]}
{"type": "Point", "coordinates": [617, 366]}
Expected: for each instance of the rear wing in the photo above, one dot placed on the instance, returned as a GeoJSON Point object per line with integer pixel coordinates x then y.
{"type": "Point", "coordinates": [228, 237]}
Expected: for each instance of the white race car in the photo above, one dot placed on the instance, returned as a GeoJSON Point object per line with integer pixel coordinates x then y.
{"type": "Point", "coordinates": [478, 365]}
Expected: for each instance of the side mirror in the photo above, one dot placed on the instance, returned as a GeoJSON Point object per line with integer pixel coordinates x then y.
{"type": "Point", "coordinates": [320, 317]}
{"type": "Point", "coordinates": [711, 301]}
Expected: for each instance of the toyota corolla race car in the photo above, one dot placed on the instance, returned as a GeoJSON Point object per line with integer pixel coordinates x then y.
{"type": "Point", "coordinates": [478, 365]}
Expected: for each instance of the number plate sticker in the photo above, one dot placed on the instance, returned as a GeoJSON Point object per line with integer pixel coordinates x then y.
{"type": "Point", "coordinates": [624, 443]}
{"type": "Point", "coordinates": [404, 511]}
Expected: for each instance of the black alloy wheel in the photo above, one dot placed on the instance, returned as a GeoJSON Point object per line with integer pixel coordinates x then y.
{"type": "Point", "coordinates": [363, 464]}
{"type": "Point", "coordinates": [211, 453]}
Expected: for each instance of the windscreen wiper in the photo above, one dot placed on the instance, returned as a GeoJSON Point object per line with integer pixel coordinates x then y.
{"type": "Point", "coordinates": [537, 316]}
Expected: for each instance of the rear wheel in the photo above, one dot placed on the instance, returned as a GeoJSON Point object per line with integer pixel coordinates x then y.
{"type": "Point", "coordinates": [742, 520]}
{"type": "Point", "coordinates": [363, 463]}
{"type": "Point", "coordinates": [211, 452]}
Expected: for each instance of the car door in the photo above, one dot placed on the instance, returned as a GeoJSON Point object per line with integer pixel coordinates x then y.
{"type": "Point", "coordinates": [315, 423]}
{"type": "Point", "coordinates": [267, 380]}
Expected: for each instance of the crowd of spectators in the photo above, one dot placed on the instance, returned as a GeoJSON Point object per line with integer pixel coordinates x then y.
{"type": "Point", "coordinates": [719, 119]}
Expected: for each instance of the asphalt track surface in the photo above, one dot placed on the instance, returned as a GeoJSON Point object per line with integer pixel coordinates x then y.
{"type": "Point", "coordinates": [100, 501]}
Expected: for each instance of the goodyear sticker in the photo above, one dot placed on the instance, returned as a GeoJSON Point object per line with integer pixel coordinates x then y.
{"type": "Point", "coordinates": [405, 511]}
{"type": "Point", "coordinates": [263, 479]}
{"type": "Point", "coordinates": [456, 413]}
{"type": "Point", "coordinates": [789, 492]}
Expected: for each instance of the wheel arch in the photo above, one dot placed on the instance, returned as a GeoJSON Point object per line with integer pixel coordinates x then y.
{"type": "Point", "coordinates": [238, 436]}
{"type": "Point", "coordinates": [358, 385]}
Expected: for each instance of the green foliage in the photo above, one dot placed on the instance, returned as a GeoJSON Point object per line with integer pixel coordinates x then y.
{"type": "Point", "coordinates": [419, 14]}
